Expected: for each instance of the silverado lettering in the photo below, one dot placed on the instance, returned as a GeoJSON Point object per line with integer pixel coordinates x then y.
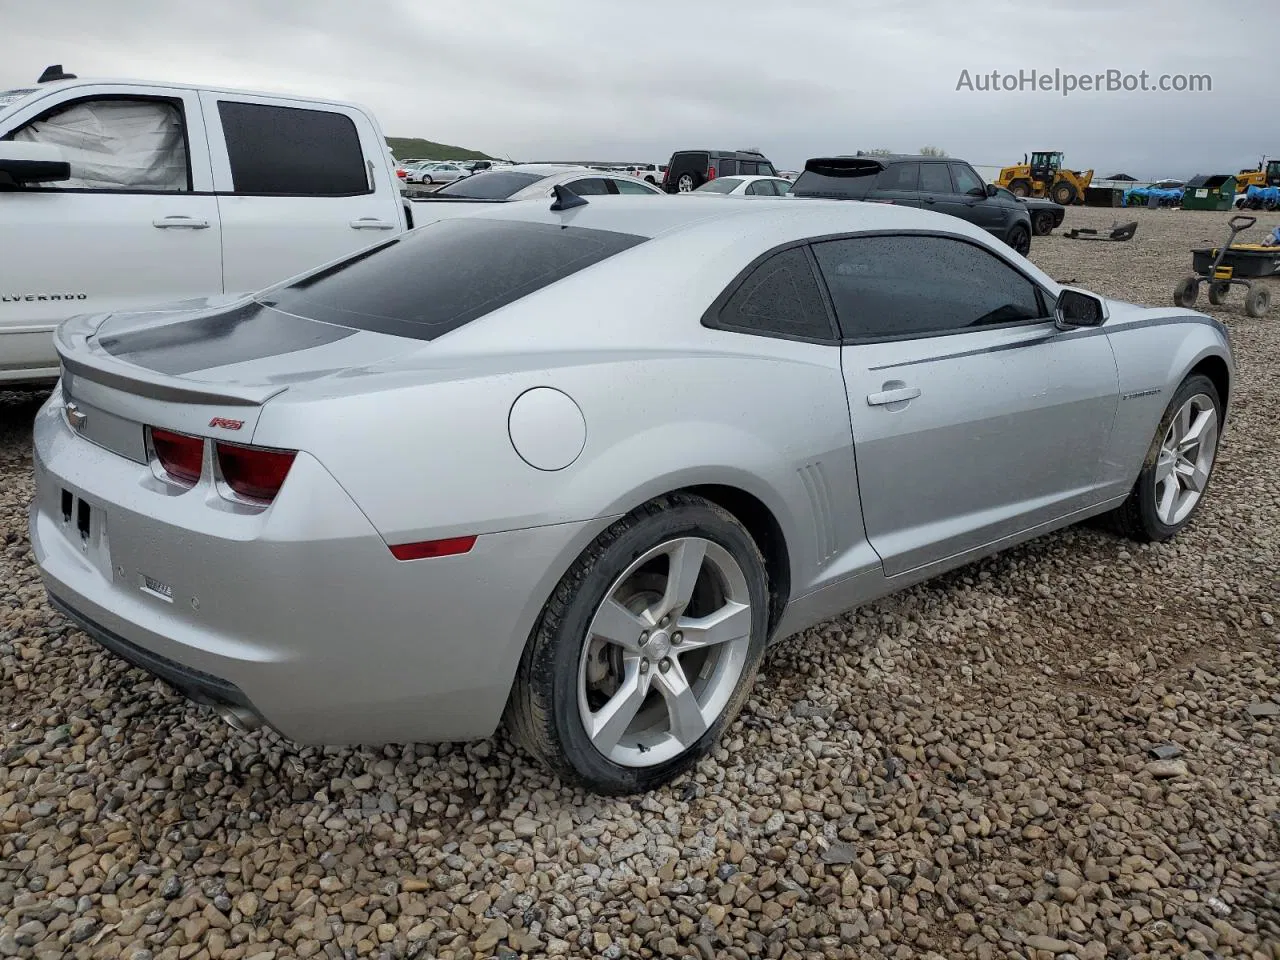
{"type": "Point", "coordinates": [37, 297]}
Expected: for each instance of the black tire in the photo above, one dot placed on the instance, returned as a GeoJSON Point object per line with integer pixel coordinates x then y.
{"type": "Point", "coordinates": [1064, 192]}
{"type": "Point", "coordinates": [1019, 237]}
{"type": "Point", "coordinates": [1042, 223]}
{"type": "Point", "coordinates": [1270, 205]}
{"type": "Point", "coordinates": [1136, 518]}
{"type": "Point", "coordinates": [1257, 302]}
{"type": "Point", "coordinates": [1218, 291]}
{"type": "Point", "coordinates": [542, 713]}
{"type": "Point", "coordinates": [1186, 292]}
{"type": "Point", "coordinates": [688, 182]}
{"type": "Point", "coordinates": [649, 179]}
{"type": "Point", "coordinates": [1020, 188]}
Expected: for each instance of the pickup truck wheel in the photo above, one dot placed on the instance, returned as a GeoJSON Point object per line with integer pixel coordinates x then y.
{"type": "Point", "coordinates": [1019, 238]}
{"type": "Point", "coordinates": [1042, 223]}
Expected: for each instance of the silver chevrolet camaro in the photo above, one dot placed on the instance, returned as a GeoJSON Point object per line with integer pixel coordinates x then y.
{"type": "Point", "coordinates": [576, 464]}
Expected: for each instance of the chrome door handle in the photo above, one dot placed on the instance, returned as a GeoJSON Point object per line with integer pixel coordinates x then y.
{"type": "Point", "coordinates": [892, 396]}
{"type": "Point", "coordinates": [184, 223]}
{"type": "Point", "coordinates": [371, 223]}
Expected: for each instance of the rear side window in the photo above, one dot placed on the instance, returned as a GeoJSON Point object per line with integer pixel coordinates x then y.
{"type": "Point", "coordinates": [720, 185]}
{"type": "Point", "coordinates": [726, 167]}
{"type": "Point", "coordinates": [291, 151]}
{"type": "Point", "coordinates": [491, 185]}
{"type": "Point", "coordinates": [934, 178]}
{"type": "Point", "coordinates": [900, 176]}
{"type": "Point", "coordinates": [590, 187]}
{"type": "Point", "coordinates": [446, 274]}
{"type": "Point", "coordinates": [780, 297]}
{"type": "Point", "coordinates": [908, 286]}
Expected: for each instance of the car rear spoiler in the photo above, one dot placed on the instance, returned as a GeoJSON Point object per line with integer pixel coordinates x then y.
{"type": "Point", "coordinates": [82, 357]}
{"type": "Point", "coordinates": [844, 166]}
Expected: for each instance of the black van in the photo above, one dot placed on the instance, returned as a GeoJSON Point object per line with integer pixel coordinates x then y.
{"type": "Point", "coordinates": [689, 169]}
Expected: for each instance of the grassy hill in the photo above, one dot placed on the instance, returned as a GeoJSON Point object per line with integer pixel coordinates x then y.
{"type": "Point", "coordinates": [417, 147]}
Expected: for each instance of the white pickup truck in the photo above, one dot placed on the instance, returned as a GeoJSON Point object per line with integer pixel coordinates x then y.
{"type": "Point", "coordinates": [116, 195]}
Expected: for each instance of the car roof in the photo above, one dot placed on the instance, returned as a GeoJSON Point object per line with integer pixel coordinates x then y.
{"type": "Point", "coordinates": [233, 91]}
{"type": "Point", "coordinates": [723, 153]}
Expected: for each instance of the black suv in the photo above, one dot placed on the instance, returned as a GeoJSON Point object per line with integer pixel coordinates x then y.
{"type": "Point", "coordinates": [687, 170]}
{"type": "Point", "coordinates": [942, 184]}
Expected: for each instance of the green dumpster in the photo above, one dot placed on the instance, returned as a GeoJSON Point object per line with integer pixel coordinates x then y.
{"type": "Point", "coordinates": [1209, 193]}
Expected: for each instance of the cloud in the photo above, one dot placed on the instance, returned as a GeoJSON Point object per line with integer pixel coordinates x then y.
{"type": "Point", "coordinates": [572, 78]}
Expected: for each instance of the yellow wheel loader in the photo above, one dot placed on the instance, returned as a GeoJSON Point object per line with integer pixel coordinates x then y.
{"type": "Point", "coordinates": [1265, 174]}
{"type": "Point", "coordinates": [1043, 175]}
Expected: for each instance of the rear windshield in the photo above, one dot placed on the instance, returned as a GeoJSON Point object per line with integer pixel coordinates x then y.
{"type": "Point", "coordinates": [446, 274]}
{"type": "Point", "coordinates": [491, 185]}
{"type": "Point", "coordinates": [723, 185]}
{"type": "Point", "coordinates": [838, 182]}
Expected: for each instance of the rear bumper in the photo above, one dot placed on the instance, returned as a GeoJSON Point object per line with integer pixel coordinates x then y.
{"type": "Point", "coordinates": [299, 613]}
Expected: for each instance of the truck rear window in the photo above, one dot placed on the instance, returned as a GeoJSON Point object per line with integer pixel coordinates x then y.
{"type": "Point", "coordinates": [441, 276]}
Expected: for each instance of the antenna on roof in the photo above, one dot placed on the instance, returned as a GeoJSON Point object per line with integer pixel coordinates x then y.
{"type": "Point", "coordinates": [566, 198]}
{"type": "Point", "coordinates": [55, 72]}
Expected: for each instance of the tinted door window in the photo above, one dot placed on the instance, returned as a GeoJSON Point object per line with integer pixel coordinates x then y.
{"type": "Point", "coordinates": [899, 177]}
{"type": "Point", "coordinates": [762, 188]}
{"type": "Point", "coordinates": [906, 286]}
{"type": "Point", "coordinates": [780, 297]}
{"type": "Point", "coordinates": [748, 169]}
{"type": "Point", "coordinates": [290, 151]}
{"type": "Point", "coordinates": [446, 274]}
{"type": "Point", "coordinates": [966, 180]}
{"type": "Point", "coordinates": [726, 167]}
{"type": "Point", "coordinates": [626, 186]}
{"type": "Point", "coordinates": [590, 187]}
{"type": "Point", "coordinates": [767, 169]}
{"type": "Point", "coordinates": [934, 178]}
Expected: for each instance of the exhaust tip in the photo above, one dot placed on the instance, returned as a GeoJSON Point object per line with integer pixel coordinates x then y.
{"type": "Point", "coordinates": [238, 718]}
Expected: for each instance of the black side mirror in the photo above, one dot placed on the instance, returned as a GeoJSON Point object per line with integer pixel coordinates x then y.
{"type": "Point", "coordinates": [23, 163]}
{"type": "Point", "coordinates": [991, 190]}
{"type": "Point", "coordinates": [1076, 308]}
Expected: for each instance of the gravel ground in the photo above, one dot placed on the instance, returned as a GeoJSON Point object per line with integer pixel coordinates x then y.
{"type": "Point", "coordinates": [961, 770]}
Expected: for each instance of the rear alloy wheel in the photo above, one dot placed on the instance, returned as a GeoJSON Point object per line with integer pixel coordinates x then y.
{"type": "Point", "coordinates": [1019, 238]}
{"type": "Point", "coordinates": [1042, 223]}
{"type": "Point", "coordinates": [1178, 466]}
{"type": "Point", "coordinates": [647, 649]}
{"type": "Point", "coordinates": [686, 183]}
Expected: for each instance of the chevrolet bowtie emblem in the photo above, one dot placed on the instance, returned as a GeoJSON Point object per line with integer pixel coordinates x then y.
{"type": "Point", "coordinates": [75, 416]}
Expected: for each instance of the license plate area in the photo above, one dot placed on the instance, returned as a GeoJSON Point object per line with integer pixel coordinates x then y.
{"type": "Point", "coordinates": [85, 525]}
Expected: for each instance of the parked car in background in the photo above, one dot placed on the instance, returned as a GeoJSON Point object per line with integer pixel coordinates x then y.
{"type": "Point", "coordinates": [1046, 215]}
{"type": "Point", "coordinates": [689, 169]}
{"type": "Point", "coordinates": [944, 185]}
{"type": "Point", "coordinates": [660, 478]}
{"type": "Point", "coordinates": [442, 172]}
{"type": "Point", "coordinates": [746, 187]}
{"type": "Point", "coordinates": [524, 182]}
{"type": "Point", "coordinates": [124, 194]}
{"type": "Point", "coordinates": [648, 172]}
{"type": "Point", "coordinates": [413, 170]}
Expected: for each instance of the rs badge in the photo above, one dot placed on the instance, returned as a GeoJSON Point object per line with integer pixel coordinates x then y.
{"type": "Point", "coordinates": [226, 424]}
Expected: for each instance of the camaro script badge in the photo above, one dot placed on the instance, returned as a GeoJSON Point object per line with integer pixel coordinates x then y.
{"type": "Point", "coordinates": [75, 416]}
{"type": "Point", "coordinates": [226, 424]}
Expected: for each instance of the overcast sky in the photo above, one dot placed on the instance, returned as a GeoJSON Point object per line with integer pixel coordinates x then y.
{"type": "Point", "coordinates": [596, 79]}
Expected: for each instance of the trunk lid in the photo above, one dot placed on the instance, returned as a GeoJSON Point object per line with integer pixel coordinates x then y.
{"type": "Point", "coordinates": [202, 367]}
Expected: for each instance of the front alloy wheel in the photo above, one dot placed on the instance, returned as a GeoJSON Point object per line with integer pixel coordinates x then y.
{"type": "Point", "coordinates": [646, 650]}
{"type": "Point", "coordinates": [1176, 473]}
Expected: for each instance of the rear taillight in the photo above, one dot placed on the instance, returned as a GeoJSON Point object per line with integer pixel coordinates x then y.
{"type": "Point", "coordinates": [253, 473]}
{"type": "Point", "coordinates": [711, 173]}
{"type": "Point", "coordinates": [180, 456]}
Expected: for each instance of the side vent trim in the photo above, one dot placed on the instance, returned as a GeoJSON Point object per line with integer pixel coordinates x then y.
{"type": "Point", "coordinates": [814, 477]}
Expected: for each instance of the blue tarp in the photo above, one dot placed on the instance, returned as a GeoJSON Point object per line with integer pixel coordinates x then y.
{"type": "Point", "coordinates": [1140, 194]}
{"type": "Point", "coordinates": [1264, 194]}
